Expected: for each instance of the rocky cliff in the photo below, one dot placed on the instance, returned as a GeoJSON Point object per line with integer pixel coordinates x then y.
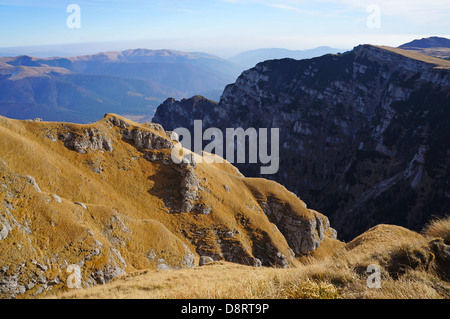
{"type": "Point", "coordinates": [83, 204]}
{"type": "Point", "coordinates": [363, 135]}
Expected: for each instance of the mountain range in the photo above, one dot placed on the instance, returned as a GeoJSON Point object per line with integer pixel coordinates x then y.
{"type": "Point", "coordinates": [82, 89]}
{"type": "Point", "coordinates": [427, 43]}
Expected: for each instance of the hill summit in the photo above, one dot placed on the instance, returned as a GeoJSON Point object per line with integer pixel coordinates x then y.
{"type": "Point", "coordinates": [432, 46]}
{"type": "Point", "coordinates": [430, 42]}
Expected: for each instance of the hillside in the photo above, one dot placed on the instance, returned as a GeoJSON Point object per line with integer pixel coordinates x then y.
{"type": "Point", "coordinates": [107, 198]}
{"type": "Point", "coordinates": [412, 266]}
{"type": "Point", "coordinates": [363, 134]}
{"type": "Point", "coordinates": [132, 82]}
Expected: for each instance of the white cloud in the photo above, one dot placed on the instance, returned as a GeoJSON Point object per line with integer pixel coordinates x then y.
{"type": "Point", "coordinates": [417, 12]}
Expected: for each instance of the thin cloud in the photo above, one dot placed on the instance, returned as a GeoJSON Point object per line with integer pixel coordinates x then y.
{"type": "Point", "coordinates": [417, 12]}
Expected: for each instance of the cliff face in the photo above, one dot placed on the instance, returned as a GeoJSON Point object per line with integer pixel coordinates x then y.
{"type": "Point", "coordinates": [83, 204]}
{"type": "Point", "coordinates": [363, 135]}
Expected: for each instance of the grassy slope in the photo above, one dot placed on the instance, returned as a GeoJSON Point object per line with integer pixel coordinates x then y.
{"type": "Point", "coordinates": [334, 271]}
{"type": "Point", "coordinates": [441, 63]}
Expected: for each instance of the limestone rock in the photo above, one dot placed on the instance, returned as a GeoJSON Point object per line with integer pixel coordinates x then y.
{"type": "Point", "coordinates": [91, 139]}
{"type": "Point", "coordinates": [147, 139]}
{"type": "Point", "coordinates": [303, 234]}
{"type": "Point", "coordinates": [115, 121]}
{"type": "Point", "coordinates": [205, 260]}
{"type": "Point", "coordinates": [81, 204]}
{"type": "Point", "coordinates": [32, 181]}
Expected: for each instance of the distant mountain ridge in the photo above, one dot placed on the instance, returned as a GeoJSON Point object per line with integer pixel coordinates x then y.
{"type": "Point", "coordinates": [144, 64]}
{"type": "Point", "coordinates": [81, 89]}
{"type": "Point", "coordinates": [251, 58]}
{"type": "Point", "coordinates": [424, 43]}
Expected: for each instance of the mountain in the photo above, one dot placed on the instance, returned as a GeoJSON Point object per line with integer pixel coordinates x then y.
{"type": "Point", "coordinates": [249, 59]}
{"type": "Point", "coordinates": [363, 135]}
{"type": "Point", "coordinates": [434, 46]}
{"type": "Point", "coordinates": [108, 199]}
{"type": "Point", "coordinates": [57, 94]}
{"type": "Point", "coordinates": [186, 72]}
{"type": "Point", "coordinates": [426, 43]}
{"type": "Point", "coordinates": [82, 89]}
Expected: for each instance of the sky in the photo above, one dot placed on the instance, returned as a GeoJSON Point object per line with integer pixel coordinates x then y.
{"type": "Point", "coordinates": [221, 27]}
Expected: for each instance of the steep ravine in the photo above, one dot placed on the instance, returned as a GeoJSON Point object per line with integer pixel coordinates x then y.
{"type": "Point", "coordinates": [363, 135]}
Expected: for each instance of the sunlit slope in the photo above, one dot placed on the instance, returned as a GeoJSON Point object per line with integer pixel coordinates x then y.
{"type": "Point", "coordinates": [108, 198]}
{"type": "Point", "coordinates": [438, 62]}
{"type": "Point", "coordinates": [409, 265]}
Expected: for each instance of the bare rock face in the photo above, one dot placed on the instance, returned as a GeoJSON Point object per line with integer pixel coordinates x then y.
{"type": "Point", "coordinates": [147, 140]}
{"type": "Point", "coordinates": [92, 139]}
{"type": "Point", "coordinates": [144, 139]}
{"type": "Point", "coordinates": [205, 260]}
{"type": "Point", "coordinates": [190, 186]}
{"type": "Point", "coordinates": [116, 121]}
{"type": "Point", "coordinates": [173, 114]}
{"type": "Point", "coordinates": [303, 235]}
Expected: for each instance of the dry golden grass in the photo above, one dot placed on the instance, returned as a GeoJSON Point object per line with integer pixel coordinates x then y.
{"type": "Point", "coordinates": [440, 63]}
{"type": "Point", "coordinates": [438, 228]}
{"type": "Point", "coordinates": [441, 53]}
{"type": "Point", "coordinates": [215, 281]}
{"type": "Point", "coordinates": [338, 274]}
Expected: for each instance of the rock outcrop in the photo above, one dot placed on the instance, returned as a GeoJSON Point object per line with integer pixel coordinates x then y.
{"type": "Point", "coordinates": [90, 139]}
{"type": "Point", "coordinates": [363, 135]}
{"type": "Point", "coordinates": [303, 235]}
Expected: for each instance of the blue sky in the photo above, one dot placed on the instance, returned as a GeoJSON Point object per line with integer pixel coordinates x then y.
{"type": "Point", "coordinates": [222, 27]}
